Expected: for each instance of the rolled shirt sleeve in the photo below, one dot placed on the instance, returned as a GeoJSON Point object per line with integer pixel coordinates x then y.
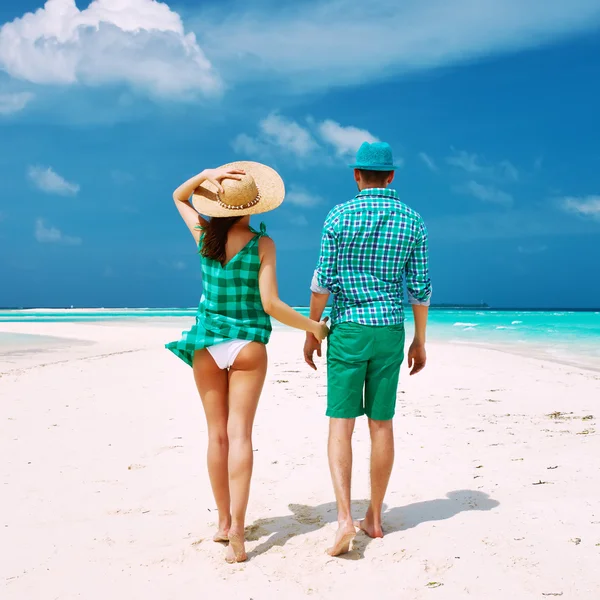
{"type": "Point", "coordinates": [325, 278]}
{"type": "Point", "coordinates": [416, 272]}
{"type": "Point", "coordinates": [315, 287]}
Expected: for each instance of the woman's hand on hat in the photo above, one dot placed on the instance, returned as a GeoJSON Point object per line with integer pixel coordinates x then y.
{"type": "Point", "coordinates": [216, 176]}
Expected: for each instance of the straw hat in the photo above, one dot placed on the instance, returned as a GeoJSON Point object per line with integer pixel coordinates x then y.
{"type": "Point", "coordinates": [260, 190]}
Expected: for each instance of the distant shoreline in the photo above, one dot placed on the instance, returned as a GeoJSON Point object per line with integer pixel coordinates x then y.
{"type": "Point", "coordinates": [564, 336]}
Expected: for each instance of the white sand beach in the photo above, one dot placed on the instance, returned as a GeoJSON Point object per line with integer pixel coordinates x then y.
{"type": "Point", "coordinates": [105, 494]}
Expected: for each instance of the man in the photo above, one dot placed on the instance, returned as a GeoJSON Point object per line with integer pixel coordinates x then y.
{"type": "Point", "coordinates": [370, 245]}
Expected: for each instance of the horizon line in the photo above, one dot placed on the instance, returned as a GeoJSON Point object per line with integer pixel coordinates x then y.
{"type": "Point", "coordinates": [444, 305]}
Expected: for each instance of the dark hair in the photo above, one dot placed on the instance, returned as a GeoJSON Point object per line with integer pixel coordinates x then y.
{"type": "Point", "coordinates": [215, 237]}
{"type": "Point", "coordinates": [376, 178]}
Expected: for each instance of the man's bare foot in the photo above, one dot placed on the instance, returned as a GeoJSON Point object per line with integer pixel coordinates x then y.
{"type": "Point", "coordinates": [344, 536]}
{"type": "Point", "coordinates": [369, 527]}
{"type": "Point", "coordinates": [236, 551]}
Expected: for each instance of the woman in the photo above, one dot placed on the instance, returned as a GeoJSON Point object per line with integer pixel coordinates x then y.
{"type": "Point", "coordinates": [226, 346]}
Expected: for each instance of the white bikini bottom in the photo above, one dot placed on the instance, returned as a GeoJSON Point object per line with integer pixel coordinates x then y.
{"type": "Point", "coordinates": [225, 353]}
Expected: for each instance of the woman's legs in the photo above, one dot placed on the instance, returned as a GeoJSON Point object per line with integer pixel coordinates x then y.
{"type": "Point", "coordinates": [212, 384]}
{"type": "Point", "coordinates": [246, 379]}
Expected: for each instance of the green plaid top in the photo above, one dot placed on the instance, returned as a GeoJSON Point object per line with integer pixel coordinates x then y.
{"type": "Point", "coordinates": [369, 246]}
{"type": "Point", "coordinates": [230, 308]}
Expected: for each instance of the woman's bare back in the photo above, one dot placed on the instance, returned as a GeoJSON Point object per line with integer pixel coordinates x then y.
{"type": "Point", "coordinates": [238, 237]}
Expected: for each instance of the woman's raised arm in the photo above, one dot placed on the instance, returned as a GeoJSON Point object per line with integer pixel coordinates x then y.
{"type": "Point", "coordinates": [182, 195]}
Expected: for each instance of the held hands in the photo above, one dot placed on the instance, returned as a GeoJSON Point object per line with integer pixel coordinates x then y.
{"type": "Point", "coordinates": [216, 176]}
{"type": "Point", "coordinates": [322, 330]}
{"type": "Point", "coordinates": [417, 357]}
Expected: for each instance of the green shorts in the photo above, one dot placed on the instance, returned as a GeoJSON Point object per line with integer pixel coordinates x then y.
{"type": "Point", "coordinates": [363, 366]}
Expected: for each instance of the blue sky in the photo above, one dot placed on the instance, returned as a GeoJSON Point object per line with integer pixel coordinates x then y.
{"type": "Point", "coordinates": [106, 107]}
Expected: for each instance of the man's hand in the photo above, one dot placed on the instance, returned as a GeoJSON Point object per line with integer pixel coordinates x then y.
{"type": "Point", "coordinates": [417, 357]}
{"type": "Point", "coordinates": [311, 345]}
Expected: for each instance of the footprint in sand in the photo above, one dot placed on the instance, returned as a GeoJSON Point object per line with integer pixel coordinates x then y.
{"type": "Point", "coordinates": [255, 532]}
{"type": "Point", "coordinates": [167, 448]}
{"type": "Point", "coordinates": [127, 511]}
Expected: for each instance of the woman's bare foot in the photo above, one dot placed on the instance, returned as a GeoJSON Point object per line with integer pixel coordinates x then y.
{"type": "Point", "coordinates": [344, 536]}
{"type": "Point", "coordinates": [222, 535]}
{"type": "Point", "coordinates": [236, 551]}
{"type": "Point", "coordinates": [368, 525]}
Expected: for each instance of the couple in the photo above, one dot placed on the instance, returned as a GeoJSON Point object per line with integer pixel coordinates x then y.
{"type": "Point", "coordinates": [370, 245]}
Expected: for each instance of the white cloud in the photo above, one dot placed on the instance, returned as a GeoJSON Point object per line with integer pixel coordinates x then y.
{"type": "Point", "coordinates": [288, 134]}
{"type": "Point", "coordinates": [464, 160]}
{"type": "Point", "coordinates": [506, 170]}
{"type": "Point", "coordinates": [244, 144]}
{"type": "Point", "coordinates": [51, 235]}
{"type": "Point", "coordinates": [517, 224]}
{"type": "Point", "coordinates": [586, 206]}
{"type": "Point", "coordinates": [47, 180]}
{"type": "Point", "coordinates": [141, 43]}
{"type": "Point", "coordinates": [486, 193]}
{"type": "Point", "coordinates": [532, 249]}
{"type": "Point", "coordinates": [176, 265]}
{"type": "Point", "coordinates": [301, 197]}
{"type": "Point", "coordinates": [121, 177]}
{"type": "Point", "coordinates": [299, 220]}
{"type": "Point", "coordinates": [429, 162]}
{"type": "Point", "coordinates": [316, 45]}
{"type": "Point", "coordinates": [278, 133]}
{"type": "Point", "coordinates": [476, 165]}
{"type": "Point", "coordinates": [13, 103]}
{"type": "Point", "coordinates": [345, 140]}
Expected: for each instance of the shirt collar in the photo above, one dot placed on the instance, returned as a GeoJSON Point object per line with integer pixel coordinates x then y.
{"type": "Point", "coordinates": [379, 193]}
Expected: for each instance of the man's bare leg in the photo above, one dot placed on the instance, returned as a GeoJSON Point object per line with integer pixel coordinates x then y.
{"type": "Point", "coordinates": [340, 464]}
{"type": "Point", "coordinates": [382, 461]}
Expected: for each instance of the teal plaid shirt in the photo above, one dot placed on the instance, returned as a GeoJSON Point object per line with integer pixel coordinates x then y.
{"type": "Point", "coordinates": [370, 246]}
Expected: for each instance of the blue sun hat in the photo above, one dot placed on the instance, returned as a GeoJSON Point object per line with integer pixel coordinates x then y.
{"type": "Point", "coordinates": [377, 156]}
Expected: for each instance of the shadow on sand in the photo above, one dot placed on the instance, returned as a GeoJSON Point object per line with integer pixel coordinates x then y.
{"type": "Point", "coordinates": [306, 519]}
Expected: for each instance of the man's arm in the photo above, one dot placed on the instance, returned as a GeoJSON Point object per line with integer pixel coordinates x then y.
{"type": "Point", "coordinates": [324, 281]}
{"type": "Point", "coordinates": [417, 355]}
{"type": "Point", "coordinates": [420, 313]}
{"type": "Point", "coordinates": [318, 302]}
{"type": "Point", "coordinates": [418, 285]}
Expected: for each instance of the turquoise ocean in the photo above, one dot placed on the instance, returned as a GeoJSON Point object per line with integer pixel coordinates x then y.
{"type": "Point", "coordinates": [566, 336]}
